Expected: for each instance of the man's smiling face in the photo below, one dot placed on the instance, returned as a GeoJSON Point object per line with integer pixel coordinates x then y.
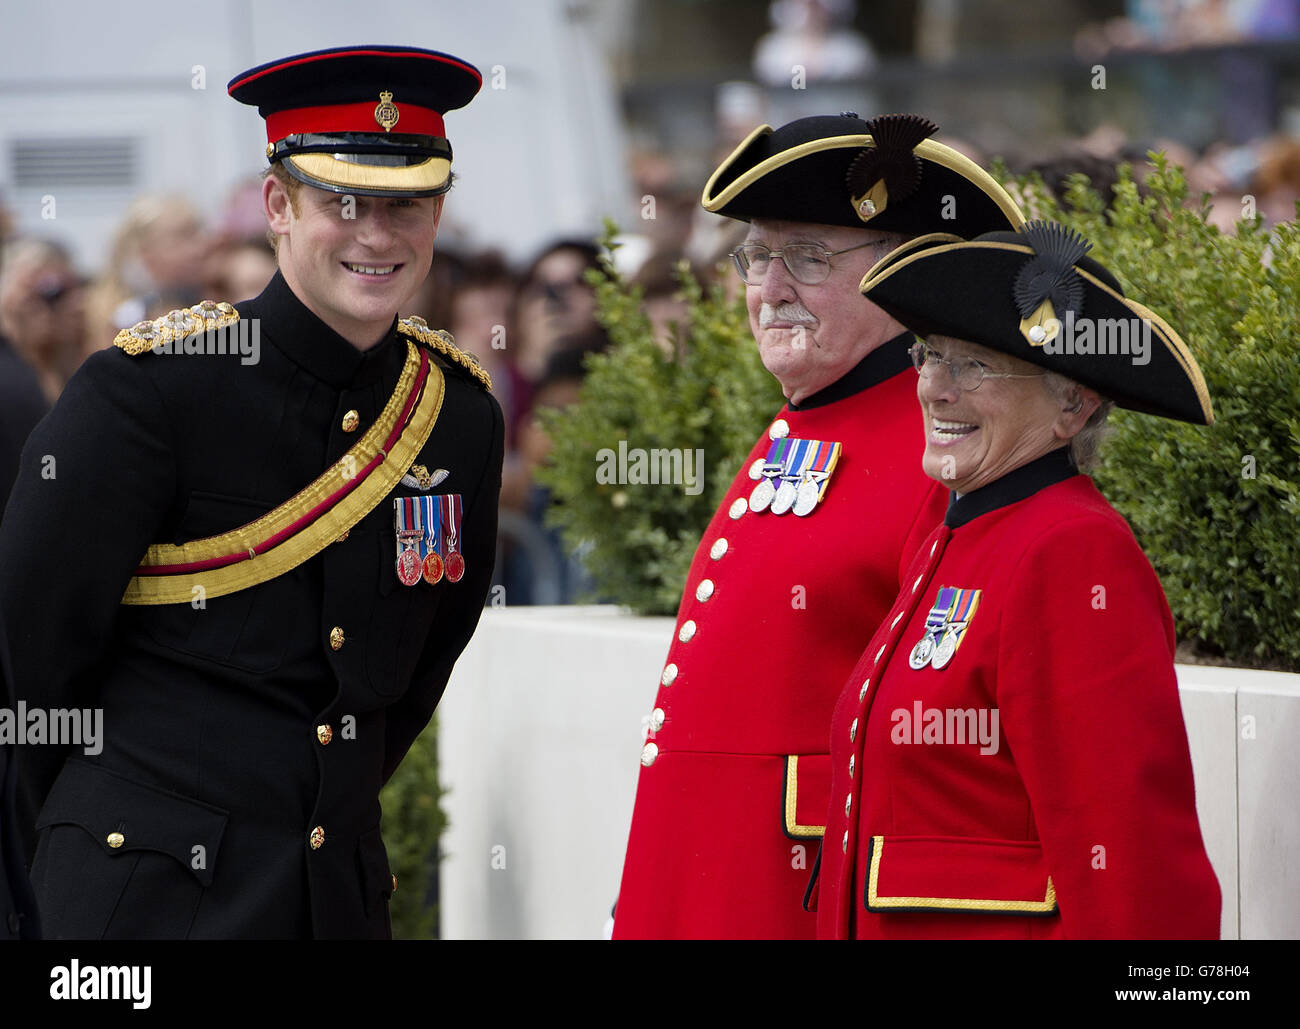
{"type": "Point", "coordinates": [353, 260]}
{"type": "Point", "coordinates": [811, 335]}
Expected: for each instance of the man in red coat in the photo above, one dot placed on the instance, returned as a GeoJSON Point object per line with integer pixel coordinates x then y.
{"type": "Point", "coordinates": [1008, 757]}
{"type": "Point", "coordinates": [804, 555]}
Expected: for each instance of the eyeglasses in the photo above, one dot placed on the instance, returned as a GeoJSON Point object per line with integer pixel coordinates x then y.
{"type": "Point", "coordinates": [966, 373]}
{"type": "Point", "coordinates": [809, 263]}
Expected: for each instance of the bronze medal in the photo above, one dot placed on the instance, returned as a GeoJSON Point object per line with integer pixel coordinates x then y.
{"type": "Point", "coordinates": [409, 567]}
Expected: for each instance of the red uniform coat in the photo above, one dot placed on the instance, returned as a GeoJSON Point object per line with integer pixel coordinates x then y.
{"type": "Point", "coordinates": [1077, 818]}
{"type": "Point", "coordinates": [732, 794]}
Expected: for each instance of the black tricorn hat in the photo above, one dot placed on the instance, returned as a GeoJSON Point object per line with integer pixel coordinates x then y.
{"type": "Point", "coordinates": [1034, 295]}
{"type": "Point", "coordinates": [885, 173]}
{"type": "Point", "coordinates": [361, 119]}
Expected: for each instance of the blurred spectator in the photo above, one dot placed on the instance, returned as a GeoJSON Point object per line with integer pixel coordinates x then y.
{"type": "Point", "coordinates": [662, 298]}
{"type": "Point", "coordinates": [42, 311]}
{"type": "Point", "coordinates": [22, 403]}
{"type": "Point", "coordinates": [816, 36]}
{"type": "Point", "coordinates": [535, 568]}
{"type": "Point", "coordinates": [1276, 187]}
{"type": "Point", "coordinates": [160, 248]}
{"type": "Point", "coordinates": [813, 42]}
{"type": "Point", "coordinates": [479, 319]}
{"type": "Point", "coordinates": [554, 300]}
{"type": "Point", "coordinates": [239, 270]}
{"type": "Point", "coordinates": [432, 301]}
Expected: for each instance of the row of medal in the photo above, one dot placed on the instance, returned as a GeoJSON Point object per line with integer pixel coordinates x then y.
{"type": "Point", "coordinates": [793, 476]}
{"type": "Point", "coordinates": [945, 627]}
{"type": "Point", "coordinates": [428, 538]}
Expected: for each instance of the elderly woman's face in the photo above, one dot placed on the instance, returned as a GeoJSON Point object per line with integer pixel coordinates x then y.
{"type": "Point", "coordinates": [974, 437]}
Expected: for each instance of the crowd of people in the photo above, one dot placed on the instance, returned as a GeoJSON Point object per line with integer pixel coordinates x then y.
{"type": "Point", "coordinates": [529, 325]}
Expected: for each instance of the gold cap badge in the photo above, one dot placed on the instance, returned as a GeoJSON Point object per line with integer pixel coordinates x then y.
{"type": "Point", "coordinates": [386, 113]}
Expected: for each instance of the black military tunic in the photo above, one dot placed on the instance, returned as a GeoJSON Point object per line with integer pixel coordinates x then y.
{"type": "Point", "coordinates": [245, 739]}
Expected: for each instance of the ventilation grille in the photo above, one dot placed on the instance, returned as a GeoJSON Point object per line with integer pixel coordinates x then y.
{"type": "Point", "coordinates": [87, 161]}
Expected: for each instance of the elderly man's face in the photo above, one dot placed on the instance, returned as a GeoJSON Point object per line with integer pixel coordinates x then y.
{"type": "Point", "coordinates": [975, 437]}
{"type": "Point", "coordinates": [810, 336]}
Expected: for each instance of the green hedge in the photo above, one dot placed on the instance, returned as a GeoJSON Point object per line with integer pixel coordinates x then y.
{"type": "Point", "coordinates": [642, 536]}
{"type": "Point", "coordinates": [412, 825]}
{"type": "Point", "coordinates": [1217, 510]}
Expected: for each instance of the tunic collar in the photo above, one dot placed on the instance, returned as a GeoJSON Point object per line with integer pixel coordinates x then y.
{"type": "Point", "coordinates": [311, 344]}
{"type": "Point", "coordinates": [886, 361]}
{"type": "Point", "coordinates": [1053, 467]}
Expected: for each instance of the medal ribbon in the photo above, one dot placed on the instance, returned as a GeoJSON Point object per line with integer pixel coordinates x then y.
{"type": "Point", "coordinates": [432, 525]}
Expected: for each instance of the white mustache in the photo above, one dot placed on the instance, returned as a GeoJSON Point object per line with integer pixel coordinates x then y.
{"type": "Point", "coordinates": [794, 312]}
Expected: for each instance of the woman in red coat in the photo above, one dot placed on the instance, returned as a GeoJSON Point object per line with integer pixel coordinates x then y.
{"type": "Point", "coordinates": [1009, 757]}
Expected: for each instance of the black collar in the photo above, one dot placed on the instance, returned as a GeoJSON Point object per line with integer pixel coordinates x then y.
{"type": "Point", "coordinates": [886, 361]}
{"type": "Point", "coordinates": [1053, 467]}
{"type": "Point", "coordinates": [310, 343]}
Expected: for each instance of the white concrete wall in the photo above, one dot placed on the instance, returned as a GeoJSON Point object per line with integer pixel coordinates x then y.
{"type": "Point", "coordinates": [541, 732]}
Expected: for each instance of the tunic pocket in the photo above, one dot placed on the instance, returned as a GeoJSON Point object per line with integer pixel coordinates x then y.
{"type": "Point", "coordinates": [957, 874]}
{"type": "Point", "coordinates": [119, 859]}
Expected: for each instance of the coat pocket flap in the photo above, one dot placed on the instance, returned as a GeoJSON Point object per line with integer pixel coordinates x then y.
{"type": "Point", "coordinates": [806, 795]}
{"type": "Point", "coordinates": [126, 816]}
{"type": "Point", "coordinates": [952, 873]}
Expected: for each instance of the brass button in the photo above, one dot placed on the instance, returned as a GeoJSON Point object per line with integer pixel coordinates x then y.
{"type": "Point", "coordinates": [719, 547]}
{"type": "Point", "coordinates": [657, 719]}
{"type": "Point", "coordinates": [879, 652]}
{"type": "Point", "coordinates": [848, 805]}
{"type": "Point", "coordinates": [862, 694]}
{"type": "Point", "coordinates": [394, 884]}
{"type": "Point", "coordinates": [649, 753]}
{"type": "Point", "coordinates": [116, 839]}
{"type": "Point", "coordinates": [844, 843]}
{"type": "Point", "coordinates": [346, 533]}
{"type": "Point", "coordinates": [687, 632]}
{"type": "Point", "coordinates": [853, 730]}
{"type": "Point", "coordinates": [336, 638]}
{"type": "Point", "coordinates": [738, 507]}
{"type": "Point", "coordinates": [897, 617]}
{"type": "Point", "coordinates": [317, 838]}
{"type": "Point", "coordinates": [779, 430]}
{"type": "Point", "coordinates": [850, 766]}
{"type": "Point", "coordinates": [670, 675]}
{"type": "Point", "coordinates": [704, 590]}
{"type": "Point", "coordinates": [324, 733]}
{"type": "Point", "coordinates": [350, 421]}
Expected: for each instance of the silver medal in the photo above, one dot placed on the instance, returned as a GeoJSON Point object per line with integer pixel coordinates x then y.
{"type": "Point", "coordinates": [762, 496]}
{"type": "Point", "coordinates": [809, 493]}
{"type": "Point", "coordinates": [785, 497]}
{"type": "Point", "coordinates": [921, 653]}
{"type": "Point", "coordinates": [944, 651]}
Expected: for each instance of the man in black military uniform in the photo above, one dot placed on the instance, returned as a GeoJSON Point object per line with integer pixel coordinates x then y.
{"type": "Point", "coordinates": [262, 563]}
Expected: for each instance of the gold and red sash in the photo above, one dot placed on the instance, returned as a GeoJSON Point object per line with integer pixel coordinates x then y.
{"type": "Point", "coordinates": [311, 520]}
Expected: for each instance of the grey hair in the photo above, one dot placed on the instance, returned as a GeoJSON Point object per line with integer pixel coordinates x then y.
{"type": "Point", "coordinates": [1087, 441]}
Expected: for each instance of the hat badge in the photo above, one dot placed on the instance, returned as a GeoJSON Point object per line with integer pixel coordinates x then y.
{"type": "Point", "coordinates": [386, 113]}
{"type": "Point", "coordinates": [1048, 283]}
{"type": "Point", "coordinates": [887, 170]}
